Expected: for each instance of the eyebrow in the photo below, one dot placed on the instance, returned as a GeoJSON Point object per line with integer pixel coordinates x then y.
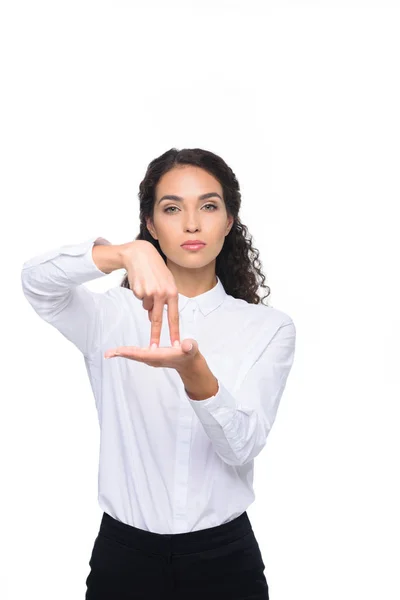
{"type": "Point", "coordinates": [180, 199]}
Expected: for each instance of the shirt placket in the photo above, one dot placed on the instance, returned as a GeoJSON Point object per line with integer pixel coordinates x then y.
{"type": "Point", "coordinates": [183, 437]}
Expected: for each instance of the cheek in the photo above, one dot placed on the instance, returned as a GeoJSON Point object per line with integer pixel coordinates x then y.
{"type": "Point", "coordinates": [219, 232]}
{"type": "Point", "coordinates": [169, 235]}
{"type": "Point", "coordinates": [166, 228]}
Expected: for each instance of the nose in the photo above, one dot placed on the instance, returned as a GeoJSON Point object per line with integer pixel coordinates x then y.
{"type": "Point", "coordinates": [191, 224]}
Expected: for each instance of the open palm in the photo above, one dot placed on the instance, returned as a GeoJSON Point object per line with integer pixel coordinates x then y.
{"type": "Point", "coordinates": [162, 356]}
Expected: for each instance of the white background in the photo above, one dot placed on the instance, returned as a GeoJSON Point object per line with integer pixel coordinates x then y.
{"type": "Point", "coordinates": [302, 101]}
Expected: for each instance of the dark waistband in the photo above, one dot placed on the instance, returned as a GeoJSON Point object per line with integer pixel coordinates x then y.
{"type": "Point", "coordinates": [178, 543]}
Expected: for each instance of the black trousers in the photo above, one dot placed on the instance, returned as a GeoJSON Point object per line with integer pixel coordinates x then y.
{"type": "Point", "coordinates": [222, 562]}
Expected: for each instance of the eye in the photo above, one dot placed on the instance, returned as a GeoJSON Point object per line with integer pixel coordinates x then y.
{"type": "Point", "coordinates": [169, 207]}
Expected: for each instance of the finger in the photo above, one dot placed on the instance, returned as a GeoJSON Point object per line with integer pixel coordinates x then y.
{"type": "Point", "coordinates": [173, 319]}
{"type": "Point", "coordinates": [132, 352]}
{"type": "Point", "coordinates": [156, 321]}
{"type": "Point", "coordinates": [147, 301]}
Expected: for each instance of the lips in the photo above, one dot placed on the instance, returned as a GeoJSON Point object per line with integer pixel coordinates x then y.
{"type": "Point", "coordinates": [193, 243]}
{"type": "Point", "coordinates": [193, 247]}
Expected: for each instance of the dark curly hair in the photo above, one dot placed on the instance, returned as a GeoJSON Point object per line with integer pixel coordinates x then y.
{"type": "Point", "coordinates": [237, 265]}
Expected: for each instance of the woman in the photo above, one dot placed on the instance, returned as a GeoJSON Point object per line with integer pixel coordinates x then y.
{"type": "Point", "coordinates": [184, 403]}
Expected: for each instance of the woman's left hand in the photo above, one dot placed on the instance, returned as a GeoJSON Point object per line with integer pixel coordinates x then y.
{"type": "Point", "coordinates": [174, 357]}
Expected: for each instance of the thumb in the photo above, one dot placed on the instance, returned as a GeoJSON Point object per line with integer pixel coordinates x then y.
{"type": "Point", "coordinates": [189, 346]}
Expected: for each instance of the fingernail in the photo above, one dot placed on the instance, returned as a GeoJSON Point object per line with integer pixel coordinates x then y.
{"type": "Point", "coordinates": [154, 345]}
{"type": "Point", "coordinates": [176, 343]}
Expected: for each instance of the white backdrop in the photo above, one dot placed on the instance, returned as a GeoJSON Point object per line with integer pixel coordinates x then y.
{"type": "Point", "coordinates": [302, 100]}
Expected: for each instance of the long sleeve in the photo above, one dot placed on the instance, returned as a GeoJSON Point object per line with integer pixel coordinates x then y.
{"type": "Point", "coordinates": [238, 423]}
{"type": "Point", "coordinates": [51, 282]}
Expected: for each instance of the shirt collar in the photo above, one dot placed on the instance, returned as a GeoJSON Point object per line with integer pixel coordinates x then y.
{"type": "Point", "coordinates": [207, 301]}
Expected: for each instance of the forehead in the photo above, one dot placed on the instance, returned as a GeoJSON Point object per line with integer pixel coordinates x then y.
{"type": "Point", "coordinates": [187, 181]}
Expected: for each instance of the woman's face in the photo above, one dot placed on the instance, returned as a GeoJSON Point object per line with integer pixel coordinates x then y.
{"type": "Point", "coordinates": [192, 218]}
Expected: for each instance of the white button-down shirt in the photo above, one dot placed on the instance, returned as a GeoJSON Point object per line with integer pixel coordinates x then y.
{"type": "Point", "coordinates": [169, 464]}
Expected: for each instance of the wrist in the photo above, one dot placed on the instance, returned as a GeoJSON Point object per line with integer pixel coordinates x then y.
{"type": "Point", "coordinates": [192, 367]}
{"type": "Point", "coordinates": [200, 383]}
{"type": "Point", "coordinates": [125, 251]}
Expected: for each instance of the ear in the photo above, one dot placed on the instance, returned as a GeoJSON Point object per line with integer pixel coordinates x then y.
{"type": "Point", "coordinates": [150, 227]}
{"type": "Point", "coordinates": [231, 220]}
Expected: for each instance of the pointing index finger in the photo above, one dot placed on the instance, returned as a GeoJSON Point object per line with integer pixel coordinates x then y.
{"type": "Point", "coordinates": [173, 319]}
{"type": "Point", "coordinates": [156, 322]}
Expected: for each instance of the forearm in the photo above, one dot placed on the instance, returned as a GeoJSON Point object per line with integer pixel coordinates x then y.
{"type": "Point", "coordinates": [198, 379]}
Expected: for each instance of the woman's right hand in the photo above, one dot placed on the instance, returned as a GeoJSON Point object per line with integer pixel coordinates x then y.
{"type": "Point", "coordinates": [152, 282]}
